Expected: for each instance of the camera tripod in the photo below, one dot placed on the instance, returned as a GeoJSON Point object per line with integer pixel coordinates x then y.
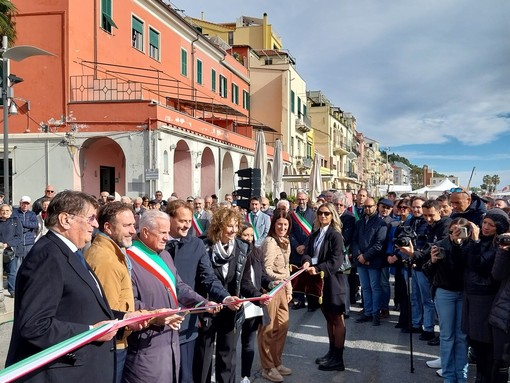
{"type": "Point", "coordinates": [409, 267]}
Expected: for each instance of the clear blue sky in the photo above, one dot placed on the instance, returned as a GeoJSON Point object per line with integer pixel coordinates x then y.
{"type": "Point", "coordinates": [429, 79]}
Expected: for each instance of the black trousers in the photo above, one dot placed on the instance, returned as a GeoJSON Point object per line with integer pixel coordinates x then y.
{"type": "Point", "coordinates": [226, 337]}
{"type": "Point", "coordinates": [248, 343]}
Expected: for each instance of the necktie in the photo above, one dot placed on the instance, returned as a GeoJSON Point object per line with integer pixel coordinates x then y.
{"type": "Point", "coordinates": [79, 254]}
{"type": "Point", "coordinates": [172, 246]}
{"type": "Point", "coordinates": [254, 216]}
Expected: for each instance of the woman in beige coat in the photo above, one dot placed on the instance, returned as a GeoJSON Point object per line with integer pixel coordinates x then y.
{"type": "Point", "coordinates": [271, 338]}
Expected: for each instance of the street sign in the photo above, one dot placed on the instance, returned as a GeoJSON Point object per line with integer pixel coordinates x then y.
{"type": "Point", "coordinates": [151, 174]}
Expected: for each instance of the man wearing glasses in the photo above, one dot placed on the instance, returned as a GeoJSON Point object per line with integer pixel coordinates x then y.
{"type": "Point", "coordinates": [49, 192]}
{"type": "Point", "coordinates": [58, 297]}
{"type": "Point", "coordinates": [367, 250]}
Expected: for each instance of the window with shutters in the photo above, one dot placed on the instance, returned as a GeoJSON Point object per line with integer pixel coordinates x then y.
{"type": "Point", "coordinates": [107, 22]}
{"type": "Point", "coordinates": [154, 44]}
{"type": "Point", "coordinates": [199, 73]}
{"type": "Point", "coordinates": [137, 33]}
{"type": "Point", "coordinates": [184, 62]}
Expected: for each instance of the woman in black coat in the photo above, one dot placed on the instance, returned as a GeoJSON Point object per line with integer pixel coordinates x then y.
{"type": "Point", "coordinates": [325, 254]}
{"type": "Point", "coordinates": [480, 289]}
{"type": "Point", "coordinates": [228, 258]}
{"type": "Point", "coordinates": [499, 318]}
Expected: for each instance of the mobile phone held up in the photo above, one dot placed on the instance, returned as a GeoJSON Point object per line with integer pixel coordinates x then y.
{"type": "Point", "coordinates": [464, 233]}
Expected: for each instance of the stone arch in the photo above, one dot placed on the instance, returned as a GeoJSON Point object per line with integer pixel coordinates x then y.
{"type": "Point", "coordinates": [182, 169]}
{"type": "Point", "coordinates": [103, 166]}
{"type": "Point", "coordinates": [227, 175]}
{"type": "Point", "coordinates": [207, 173]}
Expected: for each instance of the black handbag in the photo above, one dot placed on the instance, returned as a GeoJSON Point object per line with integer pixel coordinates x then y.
{"type": "Point", "coordinates": [8, 255]}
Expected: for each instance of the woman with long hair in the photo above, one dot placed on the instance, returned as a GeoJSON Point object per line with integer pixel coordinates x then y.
{"type": "Point", "coordinates": [325, 255]}
{"type": "Point", "coordinates": [228, 258]}
{"type": "Point", "coordinates": [271, 337]}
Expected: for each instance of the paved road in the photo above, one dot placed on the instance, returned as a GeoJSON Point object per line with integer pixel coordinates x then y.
{"type": "Point", "coordinates": [372, 355]}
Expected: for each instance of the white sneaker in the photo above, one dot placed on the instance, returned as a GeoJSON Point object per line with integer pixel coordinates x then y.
{"type": "Point", "coordinates": [436, 363]}
{"type": "Point", "coordinates": [245, 380]}
{"type": "Point", "coordinates": [439, 373]}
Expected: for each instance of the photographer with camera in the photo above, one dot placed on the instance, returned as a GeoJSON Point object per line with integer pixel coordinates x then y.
{"type": "Point", "coordinates": [480, 288]}
{"type": "Point", "coordinates": [411, 242]}
{"type": "Point", "coordinates": [446, 270]}
{"type": "Point", "coordinates": [499, 317]}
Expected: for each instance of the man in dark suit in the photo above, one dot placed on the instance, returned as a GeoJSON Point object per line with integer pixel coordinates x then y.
{"type": "Point", "coordinates": [302, 224]}
{"type": "Point", "coordinates": [58, 297]}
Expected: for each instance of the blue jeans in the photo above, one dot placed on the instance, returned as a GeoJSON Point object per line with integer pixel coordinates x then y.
{"type": "Point", "coordinates": [422, 306]}
{"type": "Point", "coordinates": [11, 268]}
{"type": "Point", "coordinates": [385, 288]}
{"type": "Point", "coordinates": [370, 280]}
{"type": "Point", "coordinates": [453, 346]}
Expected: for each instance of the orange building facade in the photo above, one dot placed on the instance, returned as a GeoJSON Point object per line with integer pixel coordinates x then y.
{"type": "Point", "coordinates": [134, 100]}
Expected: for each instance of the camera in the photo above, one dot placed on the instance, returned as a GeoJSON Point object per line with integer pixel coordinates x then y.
{"type": "Point", "coordinates": [503, 240]}
{"type": "Point", "coordinates": [405, 237]}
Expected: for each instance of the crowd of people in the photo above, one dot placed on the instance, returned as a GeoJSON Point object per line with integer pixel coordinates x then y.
{"type": "Point", "coordinates": [74, 262]}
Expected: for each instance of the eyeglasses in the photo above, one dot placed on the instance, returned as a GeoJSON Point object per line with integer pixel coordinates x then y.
{"type": "Point", "coordinates": [90, 220]}
{"type": "Point", "coordinates": [368, 206]}
{"type": "Point", "coordinates": [324, 213]}
{"type": "Point", "coordinates": [50, 191]}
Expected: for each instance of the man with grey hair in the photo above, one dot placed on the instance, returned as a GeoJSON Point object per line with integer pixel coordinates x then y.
{"type": "Point", "coordinates": [283, 205]}
{"type": "Point", "coordinates": [201, 219]}
{"type": "Point", "coordinates": [153, 353]}
{"type": "Point", "coordinates": [302, 224]}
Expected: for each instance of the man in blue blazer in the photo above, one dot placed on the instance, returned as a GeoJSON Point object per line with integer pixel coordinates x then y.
{"type": "Point", "coordinates": [259, 221]}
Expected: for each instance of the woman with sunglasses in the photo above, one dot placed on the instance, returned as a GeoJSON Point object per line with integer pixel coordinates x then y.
{"type": "Point", "coordinates": [325, 254]}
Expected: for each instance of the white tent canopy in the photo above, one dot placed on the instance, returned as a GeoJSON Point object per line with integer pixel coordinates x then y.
{"type": "Point", "coordinates": [422, 190]}
{"type": "Point", "coordinates": [444, 185]}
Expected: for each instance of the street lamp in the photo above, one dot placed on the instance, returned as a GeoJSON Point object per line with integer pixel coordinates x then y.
{"type": "Point", "coordinates": [18, 53]}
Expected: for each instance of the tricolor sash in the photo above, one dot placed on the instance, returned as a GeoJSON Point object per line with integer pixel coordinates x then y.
{"type": "Point", "coordinates": [251, 221]}
{"type": "Point", "coordinates": [302, 222]}
{"type": "Point", "coordinates": [153, 263]}
{"type": "Point", "coordinates": [197, 226]}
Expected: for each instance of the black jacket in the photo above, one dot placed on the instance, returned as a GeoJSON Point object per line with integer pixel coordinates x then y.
{"type": "Point", "coordinates": [447, 273]}
{"type": "Point", "coordinates": [369, 239]}
{"type": "Point", "coordinates": [500, 313]}
{"type": "Point", "coordinates": [479, 261]}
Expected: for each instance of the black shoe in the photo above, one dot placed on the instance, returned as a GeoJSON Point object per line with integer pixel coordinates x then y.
{"type": "Point", "coordinates": [385, 313]}
{"type": "Point", "coordinates": [324, 358]}
{"type": "Point", "coordinates": [335, 362]}
{"type": "Point", "coordinates": [434, 342]}
{"type": "Point", "coordinates": [427, 335]}
{"type": "Point", "coordinates": [400, 325]}
{"type": "Point", "coordinates": [364, 318]}
{"type": "Point", "coordinates": [376, 321]}
{"type": "Point", "coordinates": [298, 305]}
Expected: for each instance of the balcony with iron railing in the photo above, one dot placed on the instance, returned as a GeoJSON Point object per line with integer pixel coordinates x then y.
{"type": "Point", "coordinates": [340, 148]}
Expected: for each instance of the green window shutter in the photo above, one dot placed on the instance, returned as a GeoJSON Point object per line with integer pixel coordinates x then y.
{"type": "Point", "coordinates": [154, 38]}
{"type": "Point", "coordinates": [292, 101]}
{"type": "Point", "coordinates": [299, 106]}
{"type": "Point", "coordinates": [213, 80]}
{"type": "Point", "coordinates": [199, 72]}
{"type": "Point", "coordinates": [106, 12]}
{"type": "Point", "coordinates": [137, 25]}
{"type": "Point", "coordinates": [304, 110]}
{"type": "Point", "coordinates": [184, 62]}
